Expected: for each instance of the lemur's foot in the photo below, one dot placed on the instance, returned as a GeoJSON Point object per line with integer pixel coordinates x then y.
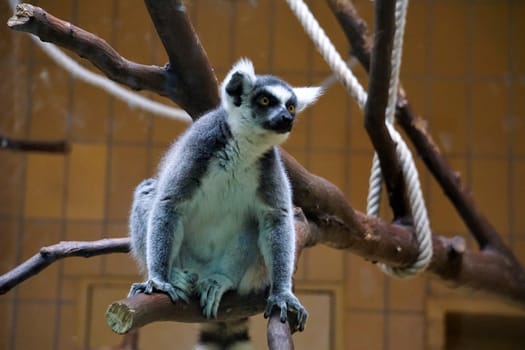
{"type": "Point", "coordinates": [287, 302]}
{"type": "Point", "coordinates": [211, 291]}
{"type": "Point", "coordinates": [181, 288]}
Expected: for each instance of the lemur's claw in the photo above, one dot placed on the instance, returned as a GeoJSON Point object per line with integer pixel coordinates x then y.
{"type": "Point", "coordinates": [287, 302]}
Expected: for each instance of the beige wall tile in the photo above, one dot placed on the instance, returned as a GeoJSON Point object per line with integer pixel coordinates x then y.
{"type": "Point", "coordinates": [129, 125]}
{"type": "Point", "coordinates": [90, 113]}
{"type": "Point", "coordinates": [448, 115]}
{"type": "Point", "coordinates": [364, 331]}
{"type": "Point", "coordinates": [27, 336]}
{"type": "Point", "coordinates": [517, 8]}
{"type": "Point", "coordinates": [329, 121]}
{"type": "Point", "coordinates": [444, 218]}
{"type": "Point", "coordinates": [407, 294]}
{"type": "Point", "coordinates": [490, 132]}
{"type": "Point", "coordinates": [249, 41]}
{"type": "Point", "coordinates": [69, 327]}
{"type": "Point", "coordinates": [517, 124]}
{"type": "Point", "coordinates": [325, 264]}
{"type": "Point", "coordinates": [165, 131]}
{"type": "Point", "coordinates": [11, 182]}
{"type": "Point", "coordinates": [8, 244]}
{"type": "Point", "coordinates": [406, 331]}
{"type": "Point", "coordinates": [7, 326]}
{"type": "Point", "coordinates": [134, 31]}
{"type": "Point", "coordinates": [489, 47]}
{"type": "Point", "coordinates": [364, 284]}
{"type": "Point", "coordinates": [96, 17]}
{"type": "Point", "coordinates": [128, 169]}
{"type": "Point", "coordinates": [490, 190]}
{"type": "Point", "coordinates": [291, 47]}
{"type": "Point", "coordinates": [331, 166]}
{"type": "Point", "coordinates": [416, 39]}
{"type": "Point", "coordinates": [87, 182]}
{"type": "Point", "coordinates": [449, 57]}
{"type": "Point", "coordinates": [49, 102]}
{"type": "Point", "coordinates": [212, 33]}
{"type": "Point", "coordinates": [518, 198]}
{"type": "Point", "coordinates": [44, 186]}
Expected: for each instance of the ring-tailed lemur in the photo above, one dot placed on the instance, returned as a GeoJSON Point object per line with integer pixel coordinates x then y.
{"type": "Point", "coordinates": [218, 216]}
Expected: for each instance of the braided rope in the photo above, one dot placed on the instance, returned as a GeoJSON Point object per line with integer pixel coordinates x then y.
{"type": "Point", "coordinates": [345, 75]}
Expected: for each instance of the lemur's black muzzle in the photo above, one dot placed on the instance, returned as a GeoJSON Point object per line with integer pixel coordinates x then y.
{"type": "Point", "coordinates": [281, 123]}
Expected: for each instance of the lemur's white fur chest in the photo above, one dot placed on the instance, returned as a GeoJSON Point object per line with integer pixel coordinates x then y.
{"type": "Point", "coordinates": [225, 206]}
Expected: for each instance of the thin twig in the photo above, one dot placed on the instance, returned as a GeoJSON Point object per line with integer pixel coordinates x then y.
{"type": "Point", "coordinates": [11, 144]}
{"type": "Point", "coordinates": [49, 255]}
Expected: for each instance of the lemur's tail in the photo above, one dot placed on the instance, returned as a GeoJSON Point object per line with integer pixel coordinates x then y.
{"type": "Point", "coordinates": [231, 335]}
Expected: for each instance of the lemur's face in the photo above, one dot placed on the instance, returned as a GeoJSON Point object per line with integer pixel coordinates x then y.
{"type": "Point", "coordinates": [272, 104]}
{"type": "Point", "coordinates": [261, 103]}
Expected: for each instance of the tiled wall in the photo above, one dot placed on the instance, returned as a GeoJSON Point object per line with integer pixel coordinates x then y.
{"type": "Point", "coordinates": [463, 69]}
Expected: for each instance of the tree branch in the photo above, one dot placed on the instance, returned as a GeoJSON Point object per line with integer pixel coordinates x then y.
{"type": "Point", "coordinates": [375, 107]}
{"type": "Point", "coordinates": [33, 146]}
{"type": "Point", "coordinates": [188, 59]}
{"type": "Point", "coordinates": [48, 28]}
{"type": "Point", "coordinates": [49, 255]}
{"type": "Point", "coordinates": [415, 128]}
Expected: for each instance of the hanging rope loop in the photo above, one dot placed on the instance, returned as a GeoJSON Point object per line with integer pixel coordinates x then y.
{"type": "Point", "coordinates": [410, 174]}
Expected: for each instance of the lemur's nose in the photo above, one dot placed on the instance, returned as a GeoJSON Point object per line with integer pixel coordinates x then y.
{"type": "Point", "coordinates": [284, 123]}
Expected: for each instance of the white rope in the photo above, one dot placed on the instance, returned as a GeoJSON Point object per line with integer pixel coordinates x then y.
{"type": "Point", "coordinates": [345, 75]}
{"type": "Point", "coordinates": [132, 99]}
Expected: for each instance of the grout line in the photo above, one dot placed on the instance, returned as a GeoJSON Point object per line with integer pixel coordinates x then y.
{"type": "Point", "coordinates": [469, 102]}
{"type": "Point", "coordinates": [21, 215]}
{"type": "Point", "coordinates": [109, 142]}
{"type": "Point", "coordinates": [509, 120]}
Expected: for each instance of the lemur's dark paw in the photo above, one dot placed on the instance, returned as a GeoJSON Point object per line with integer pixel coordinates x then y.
{"type": "Point", "coordinates": [156, 285]}
{"type": "Point", "coordinates": [287, 302]}
{"type": "Point", "coordinates": [146, 187]}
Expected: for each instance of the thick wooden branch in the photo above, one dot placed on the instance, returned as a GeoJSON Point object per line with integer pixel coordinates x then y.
{"type": "Point", "coordinates": [141, 309]}
{"type": "Point", "coordinates": [49, 255]}
{"type": "Point", "coordinates": [18, 145]}
{"type": "Point", "coordinates": [416, 129]}
{"type": "Point", "coordinates": [187, 58]}
{"type": "Point", "coordinates": [48, 28]}
{"type": "Point", "coordinates": [378, 86]}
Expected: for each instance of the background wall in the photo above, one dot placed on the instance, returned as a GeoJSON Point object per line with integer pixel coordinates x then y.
{"type": "Point", "coordinates": [463, 69]}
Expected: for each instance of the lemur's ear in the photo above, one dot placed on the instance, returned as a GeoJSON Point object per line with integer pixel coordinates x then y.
{"type": "Point", "coordinates": [306, 96]}
{"type": "Point", "coordinates": [238, 80]}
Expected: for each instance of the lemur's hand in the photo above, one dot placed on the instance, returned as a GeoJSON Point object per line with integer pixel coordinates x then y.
{"type": "Point", "coordinates": [181, 288]}
{"type": "Point", "coordinates": [287, 302]}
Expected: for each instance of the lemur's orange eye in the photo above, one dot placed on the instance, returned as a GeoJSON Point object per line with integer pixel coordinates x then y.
{"type": "Point", "coordinates": [263, 101]}
{"type": "Point", "coordinates": [291, 108]}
